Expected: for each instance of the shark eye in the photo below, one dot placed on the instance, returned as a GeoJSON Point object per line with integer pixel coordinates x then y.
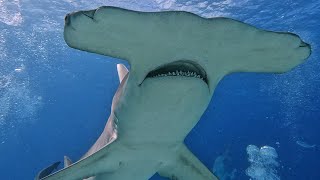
{"type": "Point", "coordinates": [180, 68]}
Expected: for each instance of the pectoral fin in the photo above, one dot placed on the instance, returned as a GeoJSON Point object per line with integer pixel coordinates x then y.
{"type": "Point", "coordinates": [46, 171]}
{"type": "Point", "coordinates": [100, 162]}
{"type": "Point", "coordinates": [186, 166]}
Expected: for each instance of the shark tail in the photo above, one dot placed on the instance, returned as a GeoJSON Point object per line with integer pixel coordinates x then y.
{"type": "Point", "coordinates": [186, 166]}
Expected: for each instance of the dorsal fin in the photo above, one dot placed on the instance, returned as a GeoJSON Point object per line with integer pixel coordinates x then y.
{"type": "Point", "coordinates": [67, 161]}
{"type": "Point", "coordinates": [122, 71]}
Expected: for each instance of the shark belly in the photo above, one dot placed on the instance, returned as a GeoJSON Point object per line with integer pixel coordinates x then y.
{"type": "Point", "coordinates": [139, 170]}
{"type": "Point", "coordinates": [156, 112]}
{"type": "Point", "coordinates": [135, 162]}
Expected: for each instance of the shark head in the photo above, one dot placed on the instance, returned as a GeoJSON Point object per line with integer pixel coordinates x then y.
{"type": "Point", "coordinates": [178, 58]}
{"type": "Point", "coordinates": [182, 44]}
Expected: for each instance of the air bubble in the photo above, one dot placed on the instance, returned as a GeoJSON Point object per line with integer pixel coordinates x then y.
{"type": "Point", "coordinates": [263, 163]}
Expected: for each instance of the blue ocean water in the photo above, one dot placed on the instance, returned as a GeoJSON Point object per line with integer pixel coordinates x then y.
{"type": "Point", "coordinates": [54, 100]}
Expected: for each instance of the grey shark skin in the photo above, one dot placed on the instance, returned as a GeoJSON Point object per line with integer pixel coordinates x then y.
{"type": "Point", "coordinates": [158, 102]}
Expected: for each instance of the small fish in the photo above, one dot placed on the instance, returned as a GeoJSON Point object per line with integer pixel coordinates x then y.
{"type": "Point", "coordinates": [305, 145]}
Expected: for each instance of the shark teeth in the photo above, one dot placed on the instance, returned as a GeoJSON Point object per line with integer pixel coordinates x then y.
{"type": "Point", "coordinates": [180, 73]}
{"type": "Point", "coordinates": [179, 68]}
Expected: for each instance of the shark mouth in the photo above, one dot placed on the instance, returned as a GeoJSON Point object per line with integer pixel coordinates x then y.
{"type": "Point", "coordinates": [180, 68]}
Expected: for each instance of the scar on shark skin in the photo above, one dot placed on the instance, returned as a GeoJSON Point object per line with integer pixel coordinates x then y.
{"type": "Point", "coordinates": [177, 59]}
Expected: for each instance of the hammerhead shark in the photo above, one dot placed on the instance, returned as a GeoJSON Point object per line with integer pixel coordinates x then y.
{"type": "Point", "coordinates": [176, 61]}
